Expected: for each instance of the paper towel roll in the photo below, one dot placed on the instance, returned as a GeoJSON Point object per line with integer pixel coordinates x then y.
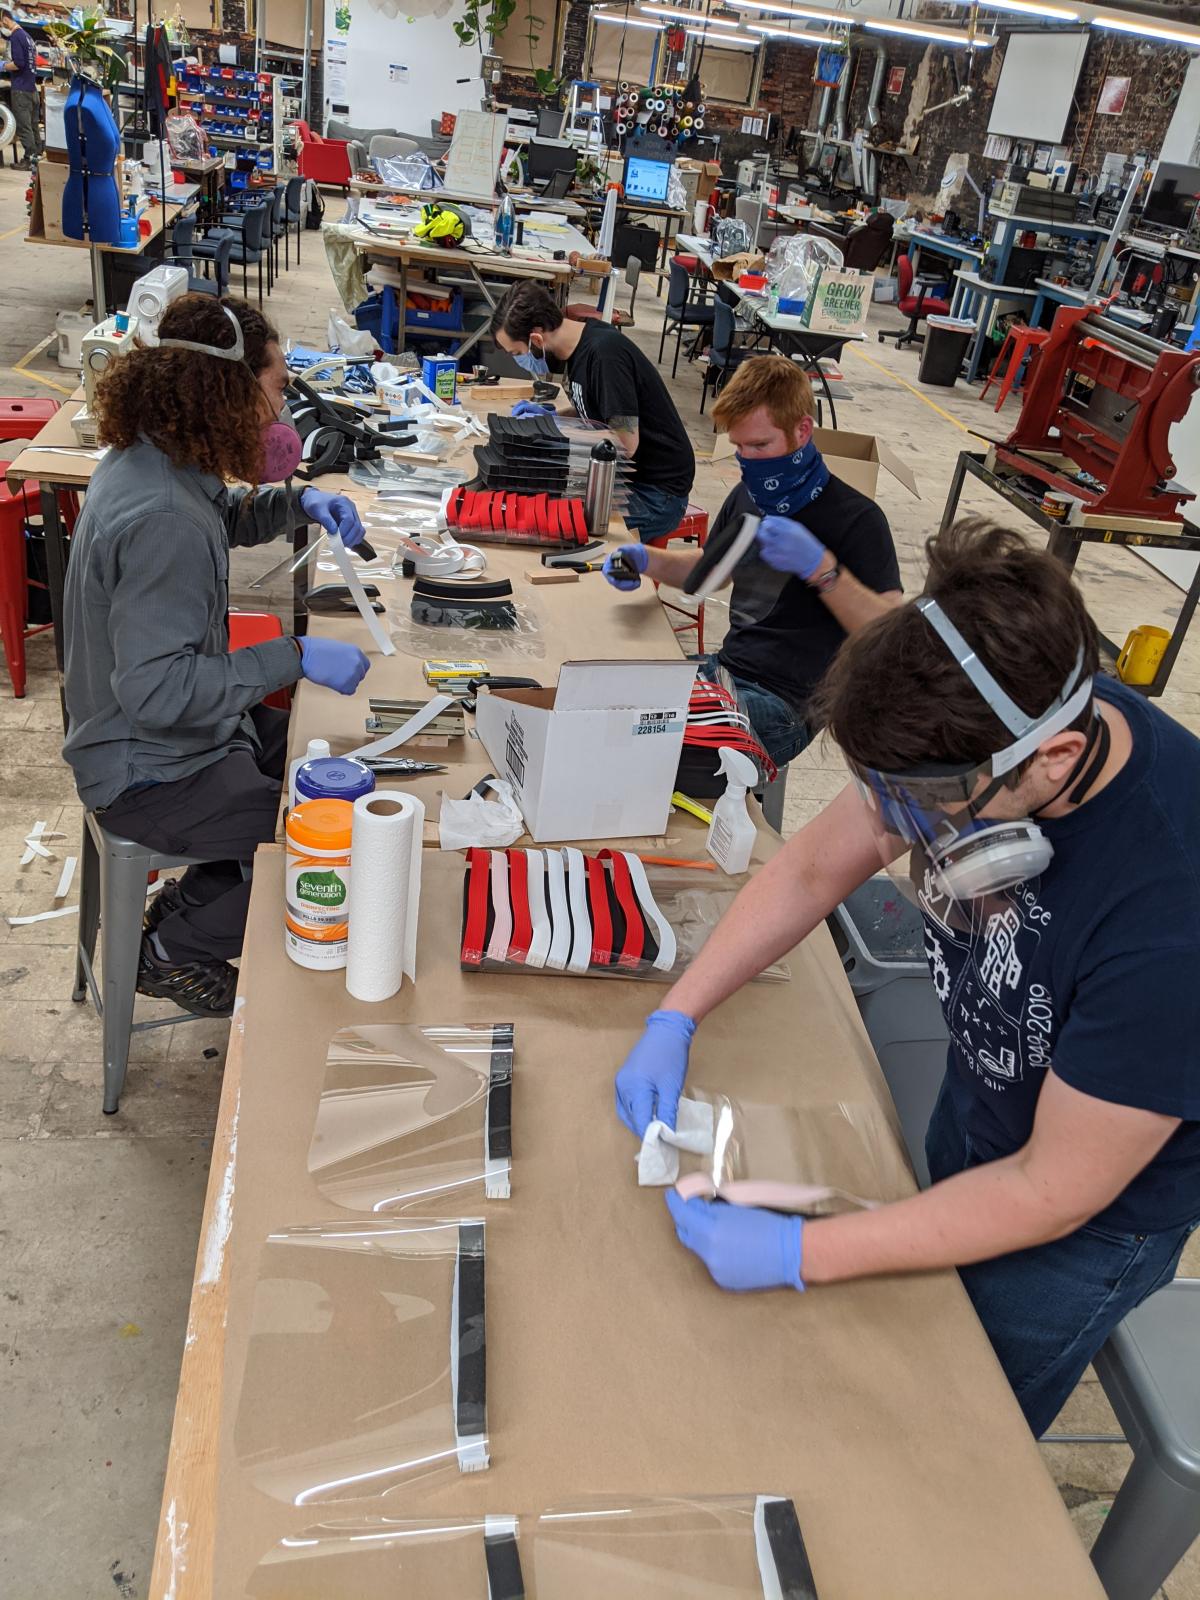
{"type": "Point", "coordinates": [385, 876]}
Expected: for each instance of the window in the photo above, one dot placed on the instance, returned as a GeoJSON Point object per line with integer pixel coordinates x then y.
{"type": "Point", "coordinates": [730, 75]}
{"type": "Point", "coordinates": [637, 63]}
{"type": "Point", "coordinates": [514, 47]}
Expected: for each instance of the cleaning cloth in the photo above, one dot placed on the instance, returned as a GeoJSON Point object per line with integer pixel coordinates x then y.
{"type": "Point", "coordinates": [658, 1159]}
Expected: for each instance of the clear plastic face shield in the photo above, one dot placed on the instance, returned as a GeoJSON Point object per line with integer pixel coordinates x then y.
{"type": "Point", "coordinates": [959, 855]}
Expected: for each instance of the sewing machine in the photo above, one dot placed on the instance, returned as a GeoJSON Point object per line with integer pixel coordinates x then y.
{"type": "Point", "coordinates": [1098, 407]}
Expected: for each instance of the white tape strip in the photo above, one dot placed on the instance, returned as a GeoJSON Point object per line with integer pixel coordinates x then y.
{"type": "Point", "coordinates": [32, 847]}
{"type": "Point", "coordinates": [767, 1571]}
{"type": "Point", "coordinates": [42, 916]}
{"type": "Point", "coordinates": [407, 730]}
{"type": "Point", "coordinates": [581, 919]}
{"type": "Point", "coordinates": [68, 873]}
{"type": "Point", "coordinates": [560, 917]}
{"type": "Point", "coordinates": [498, 944]}
{"type": "Point", "coordinates": [665, 959]}
{"type": "Point", "coordinates": [354, 583]}
{"type": "Point", "coordinates": [539, 945]}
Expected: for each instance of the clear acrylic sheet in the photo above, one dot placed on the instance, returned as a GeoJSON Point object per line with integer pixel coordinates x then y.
{"type": "Point", "coordinates": [394, 1312]}
{"type": "Point", "coordinates": [414, 1116]}
{"type": "Point", "coordinates": [384, 1558]}
{"type": "Point", "coordinates": [844, 1153]}
{"type": "Point", "coordinates": [523, 642]}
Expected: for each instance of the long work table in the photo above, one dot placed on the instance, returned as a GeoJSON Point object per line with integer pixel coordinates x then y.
{"type": "Point", "coordinates": [614, 1366]}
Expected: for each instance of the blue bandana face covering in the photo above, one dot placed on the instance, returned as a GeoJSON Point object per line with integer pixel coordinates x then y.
{"type": "Point", "coordinates": [783, 486]}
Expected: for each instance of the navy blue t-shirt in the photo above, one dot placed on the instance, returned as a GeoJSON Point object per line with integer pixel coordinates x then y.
{"type": "Point", "coordinates": [1092, 969]}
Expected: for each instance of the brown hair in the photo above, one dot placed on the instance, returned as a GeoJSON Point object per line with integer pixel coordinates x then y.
{"type": "Point", "coordinates": [896, 699]}
{"type": "Point", "coordinates": [771, 381]}
{"type": "Point", "coordinates": [526, 306]}
{"type": "Point", "coordinates": [200, 410]}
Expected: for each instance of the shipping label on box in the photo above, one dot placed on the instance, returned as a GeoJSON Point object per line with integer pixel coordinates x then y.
{"type": "Point", "coordinates": [595, 758]}
{"type": "Point", "coordinates": [839, 301]}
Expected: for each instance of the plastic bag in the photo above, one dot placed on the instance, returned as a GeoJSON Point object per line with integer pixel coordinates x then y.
{"type": "Point", "coordinates": [407, 172]}
{"type": "Point", "coordinates": [185, 137]}
{"type": "Point", "coordinates": [676, 193]}
{"type": "Point", "coordinates": [350, 341]}
{"type": "Point", "coordinates": [798, 264]}
{"type": "Point", "coordinates": [476, 821]}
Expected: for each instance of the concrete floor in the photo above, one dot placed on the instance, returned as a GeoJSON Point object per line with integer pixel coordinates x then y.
{"type": "Point", "coordinates": [99, 1216]}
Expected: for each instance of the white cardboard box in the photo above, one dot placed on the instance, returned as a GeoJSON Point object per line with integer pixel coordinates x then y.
{"type": "Point", "coordinates": [596, 757]}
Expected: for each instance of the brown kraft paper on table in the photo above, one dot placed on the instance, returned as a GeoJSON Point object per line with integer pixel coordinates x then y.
{"type": "Point", "coordinates": [614, 1365]}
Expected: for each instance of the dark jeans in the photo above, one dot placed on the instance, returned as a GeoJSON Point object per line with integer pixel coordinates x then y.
{"type": "Point", "coordinates": [652, 512]}
{"type": "Point", "coordinates": [1048, 1310]}
{"type": "Point", "coordinates": [226, 810]}
{"type": "Point", "coordinates": [780, 728]}
{"type": "Point", "coordinates": [25, 112]}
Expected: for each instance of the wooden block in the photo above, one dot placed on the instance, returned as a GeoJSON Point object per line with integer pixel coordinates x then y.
{"type": "Point", "coordinates": [552, 575]}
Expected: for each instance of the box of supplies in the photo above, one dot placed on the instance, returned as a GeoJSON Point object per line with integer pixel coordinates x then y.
{"type": "Point", "coordinates": [839, 301]}
{"type": "Point", "coordinates": [596, 757]}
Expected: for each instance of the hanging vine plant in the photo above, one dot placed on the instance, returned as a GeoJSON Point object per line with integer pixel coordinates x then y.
{"type": "Point", "coordinates": [491, 17]}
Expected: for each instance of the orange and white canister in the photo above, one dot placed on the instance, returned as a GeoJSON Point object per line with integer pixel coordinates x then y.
{"type": "Point", "coordinates": [316, 922]}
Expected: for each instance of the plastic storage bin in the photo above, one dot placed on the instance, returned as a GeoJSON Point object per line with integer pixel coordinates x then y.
{"type": "Point", "coordinates": [70, 327]}
{"type": "Point", "coordinates": [879, 936]}
{"type": "Point", "coordinates": [944, 350]}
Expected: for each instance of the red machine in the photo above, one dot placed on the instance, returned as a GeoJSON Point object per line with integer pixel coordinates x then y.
{"type": "Point", "coordinates": [1105, 397]}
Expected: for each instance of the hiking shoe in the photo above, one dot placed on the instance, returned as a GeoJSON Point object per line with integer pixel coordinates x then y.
{"type": "Point", "coordinates": [166, 903]}
{"type": "Point", "coordinates": [205, 988]}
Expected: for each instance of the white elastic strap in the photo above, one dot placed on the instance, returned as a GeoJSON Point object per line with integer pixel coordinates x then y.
{"type": "Point", "coordinates": [665, 959]}
{"type": "Point", "coordinates": [539, 944]}
{"type": "Point", "coordinates": [354, 583]}
{"type": "Point", "coordinates": [407, 730]}
{"type": "Point", "coordinates": [581, 916]}
{"type": "Point", "coordinates": [560, 917]}
{"type": "Point", "coordinates": [767, 1571]}
{"type": "Point", "coordinates": [498, 944]}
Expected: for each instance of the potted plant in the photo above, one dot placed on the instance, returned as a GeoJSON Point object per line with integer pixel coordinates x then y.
{"type": "Point", "coordinates": [84, 40]}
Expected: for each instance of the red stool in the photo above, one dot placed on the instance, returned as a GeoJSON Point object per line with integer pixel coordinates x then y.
{"type": "Point", "coordinates": [1017, 341]}
{"type": "Point", "coordinates": [256, 627]}
{"type": "Point", "coordinates": [15, 509]}
{"type": "Point", "coordinates": [22, 418]}
{"type": "Point", "coordinates": [693, 527]}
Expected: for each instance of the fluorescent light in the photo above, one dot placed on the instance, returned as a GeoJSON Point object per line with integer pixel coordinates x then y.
{"type": "Point", "coordinates": [790, 33]}
{"type": "Point", "coordinates": [1168, 34]}
{"type": "Point", "coordinates": [626, 22]}
{"type": "Point", "coordinates": [683, 14]}
{"type": "Point", "coordinates": [826, 14]}
{"type": "Point", "coordinates": [723, 38]}
{"type": "Point", "coordinates": [926, 30]}
{"type": "Point", "coordinates": [1027, 8]}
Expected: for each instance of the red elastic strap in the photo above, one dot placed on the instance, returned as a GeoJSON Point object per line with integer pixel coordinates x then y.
{"type": "Point", "coordinates": [635, 932]}
{"type": "Point", "coordinates": [512, 512]}
{"type": "Point", "coordinates": [556, 518]}
{"type": "Point", "coordinates": [518, 893]}
{"type": "Point", "coordinates": [540, 514]}
{"type": "Point", "coordinates": [602, 931]}
{"type": "Point", "coordinates": [470, 501]}
{"type": "Point", "coordinates": [577, 519]}
{"type": "Point", "coordinates": [479, 866]}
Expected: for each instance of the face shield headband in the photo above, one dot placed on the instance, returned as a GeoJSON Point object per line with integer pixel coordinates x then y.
{"type": "Point", "coordinates": [935, 809]}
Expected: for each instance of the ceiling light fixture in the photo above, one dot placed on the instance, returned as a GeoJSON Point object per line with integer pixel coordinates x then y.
{"type": "Point", "coordinates": [1171, 33]}
{"type": "Point", "coordinates": [723, 38]}
{"type": "Point", "coordinates": [626, 22]}
{"type": "Point", "coordinates": [925, 30]}
{"type": "Point", "coordinates": [813, 14]}
{"type": "Point", "coordinates": [683, 14]}
{"type": "Point", "coordinates": [791, 33]}
{"type": "Point", "coordinates": [1026, 8]}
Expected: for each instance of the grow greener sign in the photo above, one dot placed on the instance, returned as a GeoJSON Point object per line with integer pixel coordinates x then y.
{"type": "Point", "coordinates": [839, 301]}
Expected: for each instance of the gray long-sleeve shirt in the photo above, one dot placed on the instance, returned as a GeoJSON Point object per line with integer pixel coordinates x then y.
{"type": "Point", "coordinates": [153, 691]}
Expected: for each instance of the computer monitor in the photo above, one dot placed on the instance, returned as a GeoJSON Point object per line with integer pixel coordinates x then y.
{"type": "Point", "coordinates": [549, 124]}
{"type": "Point", "coordinates": [1173, 197]}
{"type": "Point", "coordinates": [559, 183]}
{"type": "Point", "coordinates": [646, 180]}
{"type": "Point", "coordinates": [828, 159]}
{"type": "Point", "coordinates": [548, 156]}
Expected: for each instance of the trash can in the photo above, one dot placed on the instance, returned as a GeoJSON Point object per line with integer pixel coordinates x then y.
{"type": "Point", "coordinates": [944, 350]}
{"type": "Point", "coordinates": [879, 936]}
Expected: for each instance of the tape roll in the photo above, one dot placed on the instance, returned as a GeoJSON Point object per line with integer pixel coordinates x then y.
{"type": "Point", "coordinates": [662, 130]}
{"type": "Point", "coordinates": [623, 87]}
{"type": "Point", "coordinates": [687, 122]}
{"type": "Point", "coordinates": [622, 129]}
{"type": "Point", "coordinates": [700, 109]}
{"type": "Point", "coordinates": [697, 124]}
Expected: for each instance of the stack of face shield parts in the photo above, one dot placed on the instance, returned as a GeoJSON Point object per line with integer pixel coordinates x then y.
{"type": "Point", "coordinates": [601, 916]}
{"type": "Point", "coordinates": [529, 453]}
{"type": "Point", "coordinates": [451, 603]}
{"type": "Point", "coordinates": [506, 517]}
{"type": "Point", "coordinates": [396, 1311]}
{"type": "Point", "coordinates": [414, 1118]}
{"type": "Point", "coordinates": [462, 619]}
{"type": "Point", "coordinates": [382, 1558]}
{"type": "Point", "coordinates": [391, 473]}
{"type": "Point", "coordinates": [816, 1160]}
{"type": "Point", "coordinates": [714, 1548]}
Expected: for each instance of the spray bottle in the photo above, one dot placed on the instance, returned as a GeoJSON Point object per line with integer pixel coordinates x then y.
{"type": "Point", "coordinates": [731, 832]}
{"type": "Point", "coordinates": [316, 749]}
{"type": "Point", "coordinates": [505, 226]}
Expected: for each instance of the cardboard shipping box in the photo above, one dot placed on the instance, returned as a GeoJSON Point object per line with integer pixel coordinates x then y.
{"type": "Point", "coordinates": [45, 217]}
{"type": "Point", "coordinates": [855, 458]}
{"type": "Point", "coordinates": [596, 757]}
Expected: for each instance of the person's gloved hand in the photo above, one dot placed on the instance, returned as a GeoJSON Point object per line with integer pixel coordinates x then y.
{"type": "Point", "coordinates": [332, 662]}
{"type": "Point", "coordinates": [743, 1247]}
{"type": "Point", "coordinates": [335, 512]}
{"type": "Point", "coordinates": [789, 547]}
{"type": "Point", "coordinates": [651, 1080]}
{"type": "Point", "coordinates": [531, 408]}
{"type": "Point", "coordinates": [636, 555]}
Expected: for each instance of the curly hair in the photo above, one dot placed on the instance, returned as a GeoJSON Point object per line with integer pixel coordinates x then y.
{"type": "Point", "coordinates": [201, 411]}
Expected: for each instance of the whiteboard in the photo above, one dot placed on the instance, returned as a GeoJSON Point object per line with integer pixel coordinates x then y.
{"type": "Point", "coordinates": [475, 151]}
{"type": "Point", "coordinates": [1037, 85]}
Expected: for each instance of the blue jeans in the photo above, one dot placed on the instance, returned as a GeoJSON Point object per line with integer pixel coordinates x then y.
{"type": "Point", "coordinates": [652, 512]}
{"type": "Point", "coordinates": [780, 728]}
{"type": "Point", "coordinates": [1048, 1310]}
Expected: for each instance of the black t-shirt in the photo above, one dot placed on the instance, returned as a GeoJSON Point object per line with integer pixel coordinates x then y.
{"type": "Point", "coordinates": [607, 377]}
{"type": "Point", "coordinates": [782, 635]}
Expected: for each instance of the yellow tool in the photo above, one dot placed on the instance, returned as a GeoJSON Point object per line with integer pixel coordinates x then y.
{"type": "Point", "coordinates": [684, 804]}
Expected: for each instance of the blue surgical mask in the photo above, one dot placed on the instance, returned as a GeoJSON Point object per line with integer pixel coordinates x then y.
{"type": "Point", "coordinates": [534, 364]}
{"type": "Point", "coordinates": [784, 486]}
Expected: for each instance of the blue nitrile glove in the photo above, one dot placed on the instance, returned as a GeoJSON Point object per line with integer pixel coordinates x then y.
{"type": "Point", "coordinates": [651, 1081]}
{"type": "Point", "coordinates": [531, 408]}
{"type": "Point", "coordinates": [743, 1247]}
{"type": "Point", "coordinates": [789, 547]}
{"type": "Point", "coordinates": [332, 662]}
{"type": "Point", "coordinates": [335, 512]}
{"type": "Point", "coordinates": [637, 556]}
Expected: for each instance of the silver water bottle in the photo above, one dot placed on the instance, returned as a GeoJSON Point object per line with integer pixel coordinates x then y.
{"type": "Point", "coordinates": [597, 496]}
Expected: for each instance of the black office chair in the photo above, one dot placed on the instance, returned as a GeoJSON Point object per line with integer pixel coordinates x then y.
{"type": "Point", "coordinates": [293, 194]}
{"type": "Point", "coordinates": [724, 354]}
{"type": "Point", "coordinates": [248, 232]}
{"type": "Point", "coordinates": [183, 253]}
{"type": "Point", "coordinates": [682, 312]}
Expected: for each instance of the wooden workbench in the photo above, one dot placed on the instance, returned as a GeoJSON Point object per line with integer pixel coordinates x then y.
{"type": "Point", "coordinates": [614, 1365]}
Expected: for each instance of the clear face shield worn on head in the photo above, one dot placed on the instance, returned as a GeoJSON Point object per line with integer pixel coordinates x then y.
{"type": "Point", "coordinates": [958, 854]}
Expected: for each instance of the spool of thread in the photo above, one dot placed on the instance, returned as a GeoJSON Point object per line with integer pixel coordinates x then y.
{"type": "Point", "coordinates": [316, 917]}
{"type": "Point", "coordinates": [333, 778]}
{"type": "Point", "coordinates": [387, 839]}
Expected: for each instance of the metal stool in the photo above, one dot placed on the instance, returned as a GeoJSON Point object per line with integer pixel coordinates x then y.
{"type": "Point", "coordinates": [771, 798]}
{"type": "Point", "coordinates": [112, 892]}
{"type": "Point", "coordinates": [694, 526]}
{"type": "Point", "coordinates": [1148, 1370]}
{"type": "Point", "coordinates": [1017, 342]}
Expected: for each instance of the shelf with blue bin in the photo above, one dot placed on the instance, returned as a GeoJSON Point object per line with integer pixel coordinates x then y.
{"type": "Point", "coordinates": [380, 314]}
{"type": "Point", "coordinates": [215, 96]}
